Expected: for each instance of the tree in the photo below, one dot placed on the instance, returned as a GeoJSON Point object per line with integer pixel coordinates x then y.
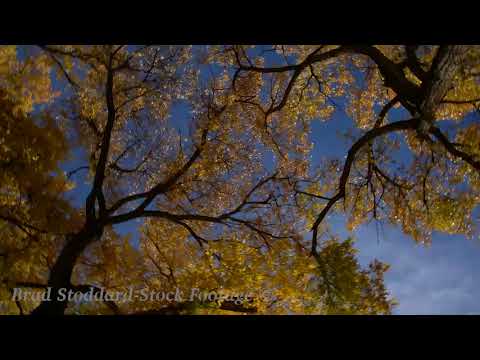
{"type": "Point", "coordinates": [227, 198]}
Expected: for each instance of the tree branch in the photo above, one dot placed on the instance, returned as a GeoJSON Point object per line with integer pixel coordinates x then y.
{"type": "Point", "coordinates": [365, 139]}
{"type": "Point", "coordinates": [450, 147]}
{"type": "Point", "coordinates": [97, 191]}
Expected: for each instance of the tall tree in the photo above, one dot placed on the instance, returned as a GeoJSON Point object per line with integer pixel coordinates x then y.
{"type": "Point", "coordinates": [227, 197]}
{"type": "Point", "coordinates": [431, 84]}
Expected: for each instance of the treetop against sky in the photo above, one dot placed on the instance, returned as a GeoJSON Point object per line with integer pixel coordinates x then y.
{"type": "Point", "coordinates": [224, 167]}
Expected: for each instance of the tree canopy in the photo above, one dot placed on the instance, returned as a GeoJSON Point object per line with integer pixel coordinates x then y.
{"type": "Point", "coordinates": [205, 153]}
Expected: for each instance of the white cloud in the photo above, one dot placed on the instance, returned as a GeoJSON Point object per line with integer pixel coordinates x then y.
{"type": "Point", "coordinates": [440, 279]}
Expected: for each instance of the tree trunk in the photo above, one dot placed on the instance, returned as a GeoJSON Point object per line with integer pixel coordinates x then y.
{"type": "Point", "coordinates": [61, 272]}
{"type": "Point", "coordinates": [445, 66]}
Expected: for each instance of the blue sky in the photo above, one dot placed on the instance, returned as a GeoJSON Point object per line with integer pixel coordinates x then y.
{"type": "Point", "coordinates": [439, 279]}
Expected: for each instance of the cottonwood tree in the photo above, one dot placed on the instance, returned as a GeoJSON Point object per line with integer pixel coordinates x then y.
{"type": "Point", "coordinates": [226, 198]}
{"type": "Point", "coordinates": [438, 88]}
